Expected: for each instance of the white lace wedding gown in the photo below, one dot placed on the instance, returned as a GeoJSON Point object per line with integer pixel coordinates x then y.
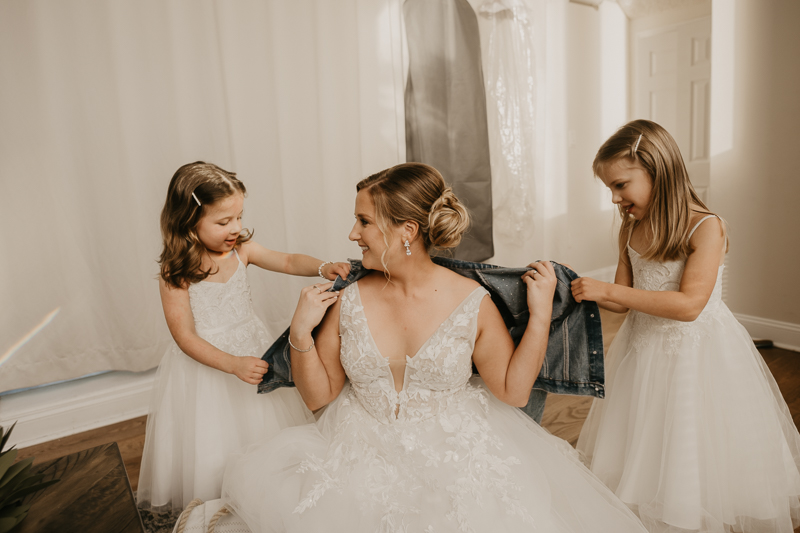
{"type": "Point", "coordinates": [693, 432]}
{"type": "Point", "coordinates": [441, 455]}
{"type": "Point", "coordinates": [199, 415]}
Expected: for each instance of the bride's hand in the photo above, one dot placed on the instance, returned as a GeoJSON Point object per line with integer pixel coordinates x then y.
{"type": "Point", "coordinates": [541, 282]}
{"type": "Point", "coordinates": [314, 302]}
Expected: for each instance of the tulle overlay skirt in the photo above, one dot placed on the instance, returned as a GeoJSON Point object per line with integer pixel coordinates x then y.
{"type": "Point", "coordinates": [694, 434]}
{"type": "Point", "coordinates": [199, 415]}
{"type": "Point", "coordinates": [479, 466]}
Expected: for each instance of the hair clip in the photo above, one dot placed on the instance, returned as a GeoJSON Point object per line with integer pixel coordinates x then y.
{"type": "Point", "coordinates": [196, 200]}
{"type": "Point", "coordinates": [636, 147]}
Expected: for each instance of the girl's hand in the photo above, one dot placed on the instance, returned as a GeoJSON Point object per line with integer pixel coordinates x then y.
{"type": "Point", "coordinates": [314, 302]}
{"type": "Point", "coordinates": [249, 369]}
{"type": "Point", "coordinates": [331, 270]}
{"type": "Point", "coordinates": [589, 289]}
{"type": "Point", "coordinates": [541, 282]}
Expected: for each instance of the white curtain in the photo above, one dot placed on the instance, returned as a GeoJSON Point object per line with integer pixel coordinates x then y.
{"type": "Point", "coordinates": [509, 43]}
{"type": "Point", "coordinates": [100, 102]}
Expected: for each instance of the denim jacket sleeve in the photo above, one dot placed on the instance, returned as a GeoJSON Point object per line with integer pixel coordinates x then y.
{"type": "Point", "coordinates": [574, 359]}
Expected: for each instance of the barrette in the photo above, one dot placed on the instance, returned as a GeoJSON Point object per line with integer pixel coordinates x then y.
{"type": "Point", "coordinates": [198, 201]}
{"type": "Point", "coordinates": [634, 148]}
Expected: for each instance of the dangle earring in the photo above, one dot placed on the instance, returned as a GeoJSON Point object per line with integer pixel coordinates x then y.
{"type": "Point", "coordinates": [408, 247]}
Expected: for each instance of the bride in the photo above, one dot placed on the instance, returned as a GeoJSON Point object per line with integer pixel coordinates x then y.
{"type": "Point", "coordinates": [409, 441]}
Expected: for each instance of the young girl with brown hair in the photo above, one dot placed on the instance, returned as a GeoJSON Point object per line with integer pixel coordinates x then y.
{"type": "Point", "coordinates": [204, 403]}
{"type": "Point", "coordinates": [693, 433]}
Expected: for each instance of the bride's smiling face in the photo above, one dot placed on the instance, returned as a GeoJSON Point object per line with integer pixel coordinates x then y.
{"type": "Point", "coordinates": [368, 235]}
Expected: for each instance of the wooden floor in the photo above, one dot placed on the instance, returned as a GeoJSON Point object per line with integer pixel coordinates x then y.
{"type": "Point", "coordinates": [563, 415]}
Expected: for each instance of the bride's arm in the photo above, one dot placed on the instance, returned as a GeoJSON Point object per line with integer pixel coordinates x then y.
{"type": "Point", "coordinates": [317, 373]}
{"type": "Point", "coordinates": [508, 372]}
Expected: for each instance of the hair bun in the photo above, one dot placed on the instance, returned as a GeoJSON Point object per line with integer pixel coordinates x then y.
{"type": "Point", "coordinates": [448, 220]}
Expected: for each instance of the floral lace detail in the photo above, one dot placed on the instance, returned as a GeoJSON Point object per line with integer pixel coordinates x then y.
{"type": "Point", "coordinates": [224, 316]}
{"type": "Point", "coordinates": [440, 369]}
{"type": "Point", "coordinates": [388, 445]}
{"type": "Point", "coordinates": [666, 276]}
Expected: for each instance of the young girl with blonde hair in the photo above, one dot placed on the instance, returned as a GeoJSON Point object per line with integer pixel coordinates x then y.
{"type": "Point", "coordinates": [204, 403]}
{"type": "Point", "coordinates": [693, 433]}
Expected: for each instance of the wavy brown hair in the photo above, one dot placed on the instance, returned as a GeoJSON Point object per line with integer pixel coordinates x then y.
{"type": "Point", "coordinates": [415, 191]}
{"type": "Point", "coordinates": [182, 255]}
{"type": "Point", "coordinates": [670, 211]}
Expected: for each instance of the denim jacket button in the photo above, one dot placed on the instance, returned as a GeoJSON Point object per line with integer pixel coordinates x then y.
{"type": "Point", "coordinates": [594, 352]}
{"type": "Point", "coordinates": [592, 315]}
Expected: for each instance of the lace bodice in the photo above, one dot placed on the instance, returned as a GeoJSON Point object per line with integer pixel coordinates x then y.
{"type": "Point", "coordinates": [224, 316]}
{"type": "Point", "coordinates": [666, 276]}
{"type": "Point", "coordinates": [434, 430]}
{"type": "Point", "coordinates": [441, 367]}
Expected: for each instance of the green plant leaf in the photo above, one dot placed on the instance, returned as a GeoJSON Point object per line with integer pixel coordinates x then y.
{"type": "Point", "coordinates": [15, 469]}
{"type": "Point", "coordinates": [4, 438]}
{"type": "Point", "coordinates": [14, 511]}
{"type": "Point", "coordinates": [6, 524]}
{"type": "Point", "coordinates": [30, 480]}
{"type": "Point", "coordinates": [15, 483]}
{"type": "Point", "coordinates": [22, 492]}
{"type": "Point", "coordinates": [6, 460]}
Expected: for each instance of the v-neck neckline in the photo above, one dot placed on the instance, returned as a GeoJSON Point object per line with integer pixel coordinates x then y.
{"type": "Point", "coordinates": [427, 341]}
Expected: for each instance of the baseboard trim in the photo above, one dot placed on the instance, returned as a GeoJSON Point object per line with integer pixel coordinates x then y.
{"type": "Point", "coordinates": [782, 334]}
{"type": "Point", "coordinates": [47, 413]}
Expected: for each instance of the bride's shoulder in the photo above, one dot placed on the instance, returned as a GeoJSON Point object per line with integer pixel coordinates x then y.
{"type": "Point", "coordinates": [456, 282]}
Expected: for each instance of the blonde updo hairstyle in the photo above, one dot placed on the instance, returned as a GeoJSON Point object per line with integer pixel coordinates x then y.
{"type": "Point", "coordinates": [192, 190]}
{"type": "Point", "coordinates": [417, 192]}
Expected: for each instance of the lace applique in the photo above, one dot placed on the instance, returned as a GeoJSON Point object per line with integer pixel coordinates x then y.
{"type": "Point", "coordinates": [224, 316]}
{"type": "Point", "coordinates": [388, 445]}
{"type": "Point", "coordinates": [666, 276]}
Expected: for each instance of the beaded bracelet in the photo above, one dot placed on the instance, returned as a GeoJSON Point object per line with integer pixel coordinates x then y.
{"type": "Point", "coordinates": [319, 270]}
{"type": "Point", "coordinates": [289, 338]}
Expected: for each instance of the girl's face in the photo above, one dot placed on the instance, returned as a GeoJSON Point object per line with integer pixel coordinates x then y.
{"type": "Point", "coordinates": [631, 186]}
{"type": "Point", "coordinates": [222, 223]}
{"type": "Point", "coordinates": [368, 235]}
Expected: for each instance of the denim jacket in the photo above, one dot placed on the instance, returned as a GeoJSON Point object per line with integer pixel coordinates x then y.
{"type": "Point", "coordinates": [573, 363]}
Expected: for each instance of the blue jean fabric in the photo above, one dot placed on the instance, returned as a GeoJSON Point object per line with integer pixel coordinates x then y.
{"type": "Point", "coordinates": [573, 363]}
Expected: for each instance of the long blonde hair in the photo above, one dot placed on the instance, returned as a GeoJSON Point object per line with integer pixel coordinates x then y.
{"type": "Point", "coordinates": [416, 191]}
{"type": "Point", "coordinates": [193, 188]}
{"type": "Point", "coordinates": [670, 211]}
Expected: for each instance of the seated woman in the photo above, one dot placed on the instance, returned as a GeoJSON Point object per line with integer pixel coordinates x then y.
{"type": "Point", "coordinates": [410, 441]}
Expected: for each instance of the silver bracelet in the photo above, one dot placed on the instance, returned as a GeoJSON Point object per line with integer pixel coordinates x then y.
{"type": "Point", "coordinates": [289, 338]}
{"type": "Point", "coordinates": [319, 270]}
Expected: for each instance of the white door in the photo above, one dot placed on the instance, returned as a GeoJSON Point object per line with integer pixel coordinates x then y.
{"type": "Point", "coordinates": [672, 86]}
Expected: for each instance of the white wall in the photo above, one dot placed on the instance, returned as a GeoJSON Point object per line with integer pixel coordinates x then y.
{"type": "Point", "coordinates": [755, 164]}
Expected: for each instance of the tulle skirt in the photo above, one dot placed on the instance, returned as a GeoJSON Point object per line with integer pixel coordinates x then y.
{"type": "Point", "coordinates": [480, 466]}
{"type": "Point", "coordinates": [198, 416]}
{"type": "Point", "coordinates": [694, 434]}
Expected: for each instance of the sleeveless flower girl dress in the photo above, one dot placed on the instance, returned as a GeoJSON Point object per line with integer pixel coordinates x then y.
{"type": "Point", "coordinates": [199, 415]}
{"type": "Point", "coordinates": [693, 434]}
{"type": "Point", "coordinates": [442, 455]}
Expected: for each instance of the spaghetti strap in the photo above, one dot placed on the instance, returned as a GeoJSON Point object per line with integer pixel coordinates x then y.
{"type": "Point", "coordinates": [237, 254]}
{"type": "Point", "coordinates": [630, 232]}
{"type": "Point", "coordinates": [696, 225]}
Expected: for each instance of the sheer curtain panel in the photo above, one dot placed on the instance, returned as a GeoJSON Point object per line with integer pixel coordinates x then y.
{"type": "Point", "coordinates": [100, 102]}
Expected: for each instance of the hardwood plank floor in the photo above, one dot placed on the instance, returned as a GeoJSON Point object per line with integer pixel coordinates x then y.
{"type": "Point", "coordinates": [563, 415]}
